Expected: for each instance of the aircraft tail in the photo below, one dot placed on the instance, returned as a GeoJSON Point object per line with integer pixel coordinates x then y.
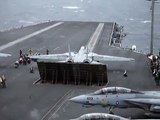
{"type": "Point", "coordinates": [69, 51]}
{"type": "Point", "coordinates": [87, 52]}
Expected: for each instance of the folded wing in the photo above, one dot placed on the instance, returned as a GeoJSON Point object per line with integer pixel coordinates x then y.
{"type": "Point", "coordinates": [144, 101]}
{"type": "Point", "coordinates": [153, 105]}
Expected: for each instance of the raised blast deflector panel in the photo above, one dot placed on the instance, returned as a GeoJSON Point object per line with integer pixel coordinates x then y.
{"type": "Point", "coordinates": [73, 73]}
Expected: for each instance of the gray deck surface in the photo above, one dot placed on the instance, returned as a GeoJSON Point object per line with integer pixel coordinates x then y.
{"type": "Point", "coordinates": [24, 100]}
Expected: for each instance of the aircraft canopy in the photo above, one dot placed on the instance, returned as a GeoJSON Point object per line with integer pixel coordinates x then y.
{"type": "Point", "coordinates": [114, 90]}
{"type": "Point", "coordinates": [95, 116]}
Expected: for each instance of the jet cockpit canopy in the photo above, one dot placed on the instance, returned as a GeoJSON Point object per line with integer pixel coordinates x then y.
{"type": "Point", "coordinates": [98, 116]}
{"type": "Point", "coordinates": [114, 90]}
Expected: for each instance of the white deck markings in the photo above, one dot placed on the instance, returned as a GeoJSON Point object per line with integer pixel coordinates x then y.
{"type": "Point", "coordinates": [28, 36]}
{"type": "Point", "coordinates": [51, 117]}
{"type": "Point", "coordinates": [56, 48]}
{"type": "Point", "coordinates": [55, 105]}
{"type": "Point", "coordinates": [93, 40]}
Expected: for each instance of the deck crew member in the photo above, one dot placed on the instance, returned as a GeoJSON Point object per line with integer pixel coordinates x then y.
{"type": "Point", "coordinates": [125, 73]}
{"type": "Point", "coordinates": [2, 81]}
{"type": "Point", "coordinates": [30, 51]}
{"type": "Point", "coordinates": [47, 51]}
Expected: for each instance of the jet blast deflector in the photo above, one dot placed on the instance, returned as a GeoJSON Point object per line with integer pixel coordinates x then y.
{"type": "Point", "coordinates": [73, 73]}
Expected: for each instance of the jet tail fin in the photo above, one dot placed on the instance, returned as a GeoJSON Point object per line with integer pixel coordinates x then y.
{"type": "Point", "coordinates": [69, 51]}
{"type": "Point", "coordinates": [87, 52]}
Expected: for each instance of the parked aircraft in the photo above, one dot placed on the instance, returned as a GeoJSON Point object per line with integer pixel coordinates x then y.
{"type": "Point", "coordinates": [122, 98]}
{"type": "Point", "coordinates": [83, 56]}
{"type": "Point", "coordinates": [99, 116]}
{"type": "Point", "coordinates": [4, 55]}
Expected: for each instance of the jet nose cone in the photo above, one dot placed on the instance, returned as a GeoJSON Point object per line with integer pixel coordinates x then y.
{"type": "Point", "coordinates": [79, 99]}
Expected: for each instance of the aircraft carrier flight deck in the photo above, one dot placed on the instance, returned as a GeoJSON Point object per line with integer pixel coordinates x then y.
{"type": "Point", "coordinates": [22, 99]}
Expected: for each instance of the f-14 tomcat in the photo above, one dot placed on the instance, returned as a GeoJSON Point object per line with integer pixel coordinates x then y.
{"type": "Point", "coordinates": [4, 55]}
{"type": "Point", "coordinates": [122, 98]}
{"type": "Point", "coordinates": [83, 56]}
{"type": "Point", "coordinates": [99, 116]}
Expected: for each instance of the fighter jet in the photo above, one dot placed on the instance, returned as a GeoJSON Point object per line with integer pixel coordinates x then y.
{"type": "Point", "coordinates": [99, 116]}
{"type": "Point", "coordinates": [83, 56]}
{"type": "Point", "coordinates": [122, 98]}
{"type": "Point", "coordinates": [4, 55]}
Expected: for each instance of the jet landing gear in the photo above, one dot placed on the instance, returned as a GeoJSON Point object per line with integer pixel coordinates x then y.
{"type": "Point", "coordinates": [111, 110]}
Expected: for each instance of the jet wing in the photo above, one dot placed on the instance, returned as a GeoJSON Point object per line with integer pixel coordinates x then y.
{"type": "Point", "coordinates": [4, 55]}
{"type": "Point", "coordinates": [147, 101]}
{"type": "Point", "coordinates": [56, 57]}
{"type": "Point", "coordinates": [98, 57]}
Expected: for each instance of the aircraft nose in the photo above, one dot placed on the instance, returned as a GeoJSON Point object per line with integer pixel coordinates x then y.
{"type": "Point", "coordinates": [79, 99]}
